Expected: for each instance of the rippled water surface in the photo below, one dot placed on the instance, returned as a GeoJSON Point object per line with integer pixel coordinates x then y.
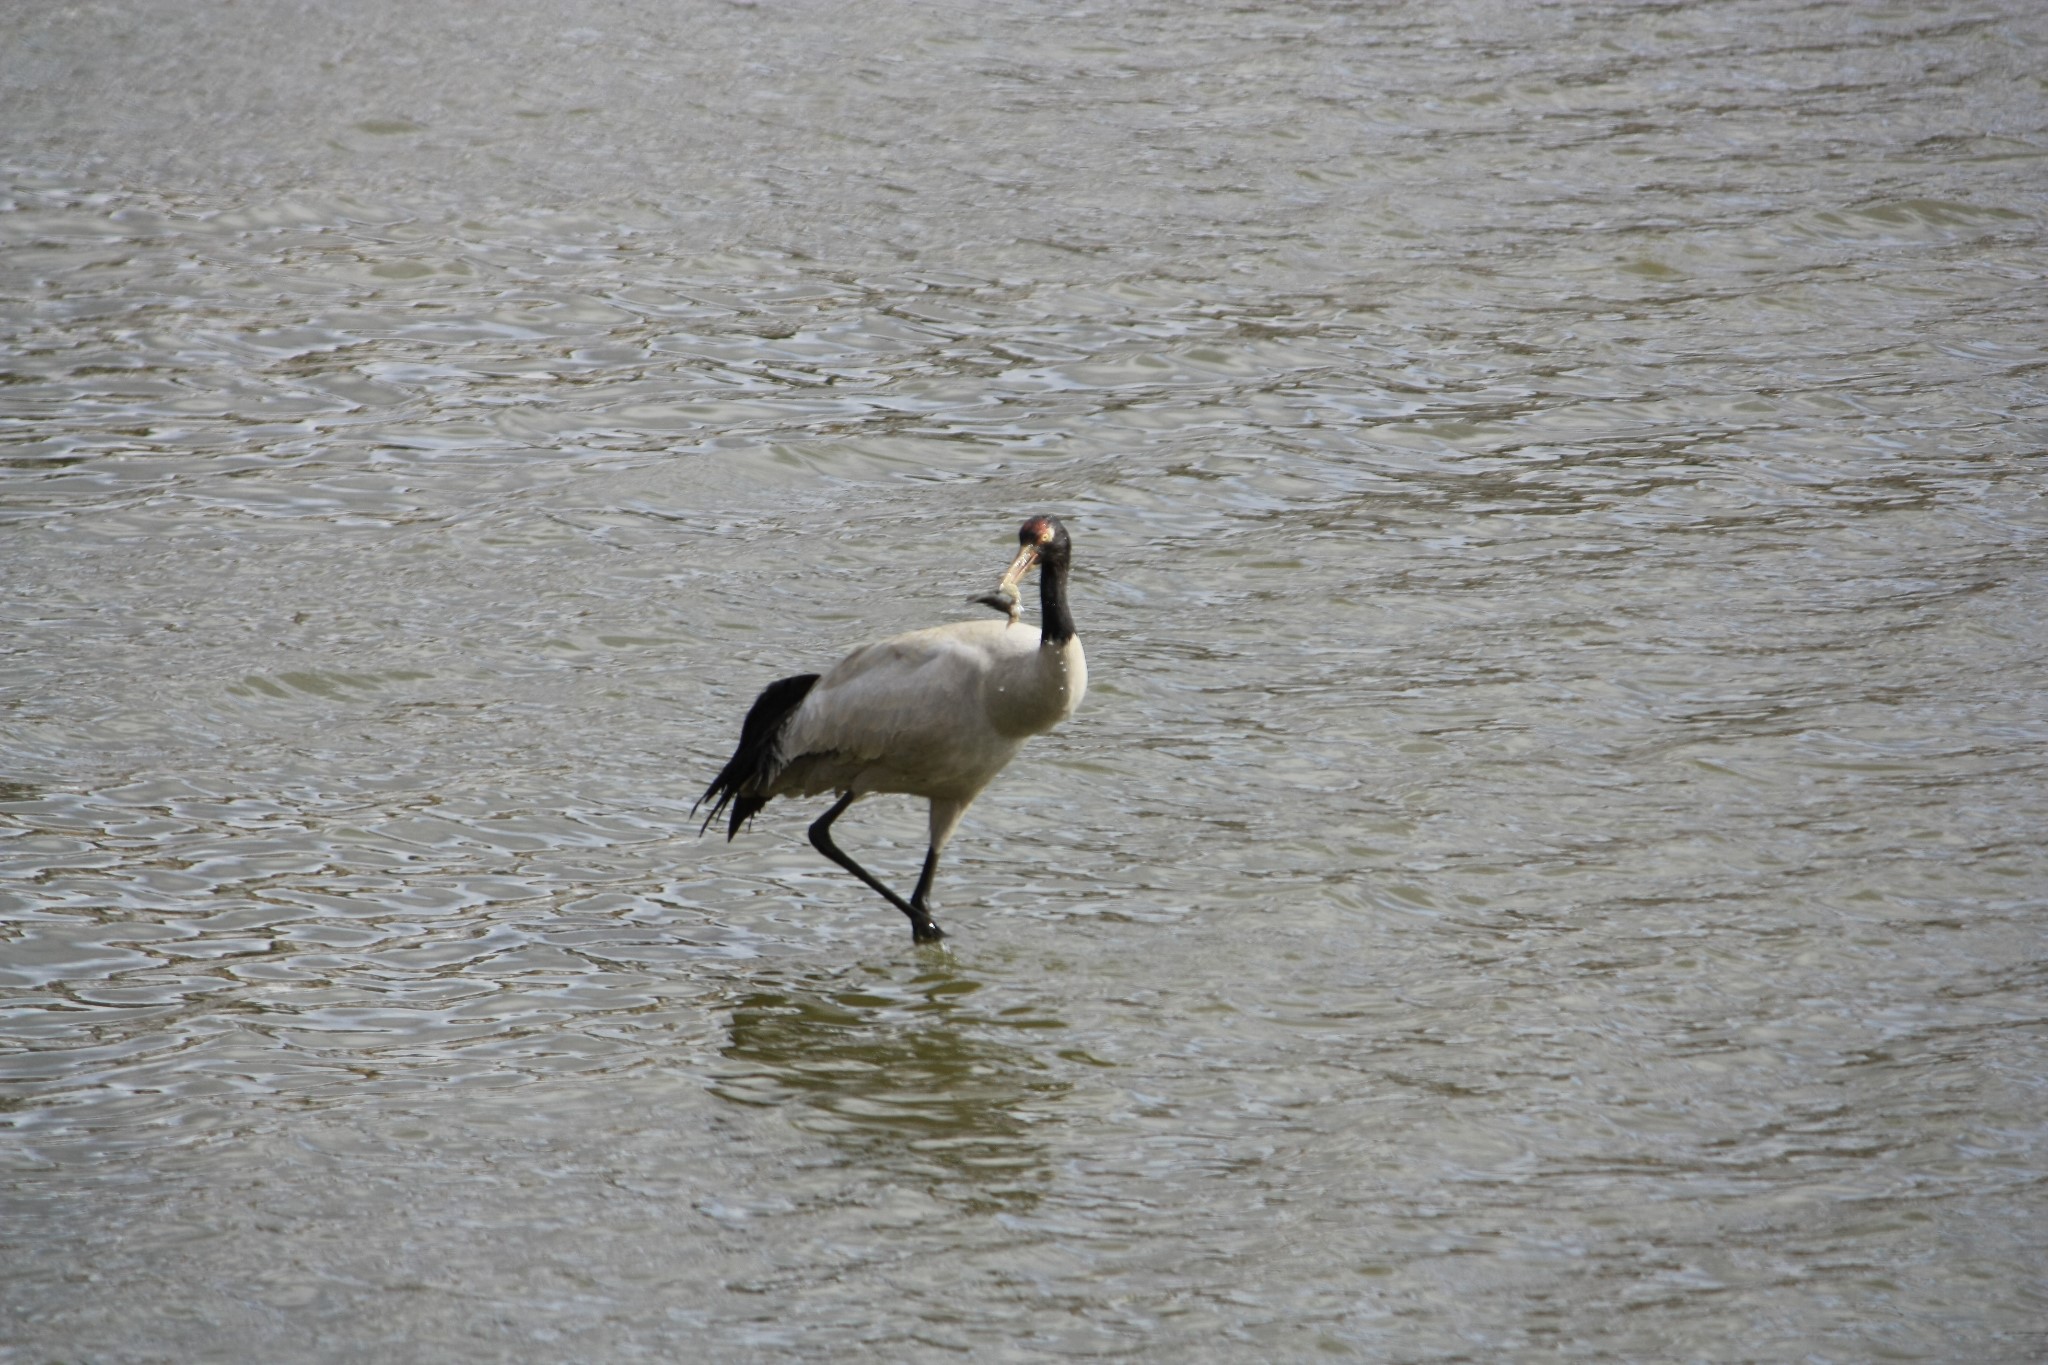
{"type": "Point", "coordinates": [1551, 863]}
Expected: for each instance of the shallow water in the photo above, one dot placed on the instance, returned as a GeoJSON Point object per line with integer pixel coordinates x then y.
{"type": "Point", "coordinates": [1550, 863]}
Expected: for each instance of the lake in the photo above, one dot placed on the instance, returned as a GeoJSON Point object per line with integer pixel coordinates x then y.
{"type": "Point", "coordinates": [1550, 865]}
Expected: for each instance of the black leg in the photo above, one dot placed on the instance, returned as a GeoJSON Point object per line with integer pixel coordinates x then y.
{"type": "Point", "coordinates": [921, 927]}
{"type": "Point", "coordinates": [920, 897]}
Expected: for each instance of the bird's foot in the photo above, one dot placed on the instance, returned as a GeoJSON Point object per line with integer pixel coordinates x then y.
{"type": "Point", "coordinates": [925, 930]}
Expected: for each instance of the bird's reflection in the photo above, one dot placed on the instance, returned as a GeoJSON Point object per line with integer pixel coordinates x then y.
{"type": "Point", "coordinates": [904, 1075]}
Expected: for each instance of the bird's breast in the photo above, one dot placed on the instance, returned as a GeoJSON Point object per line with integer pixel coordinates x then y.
{"type": "Point", "coordinates": [1029, 693]}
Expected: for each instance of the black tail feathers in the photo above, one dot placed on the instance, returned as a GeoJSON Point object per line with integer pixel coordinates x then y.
{"type": "Point", "coordinates": [756, 761]}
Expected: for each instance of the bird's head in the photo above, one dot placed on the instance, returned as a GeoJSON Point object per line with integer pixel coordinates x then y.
{"type": "Point", "coordinates": [1041, 540]}
{"type": "Point", "coordinates": [1045, 535]}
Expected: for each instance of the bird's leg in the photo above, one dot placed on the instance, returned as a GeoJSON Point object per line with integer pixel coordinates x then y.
{"type": "Point", "coordinates": [918, 898]}
{"type": "Point", "coordinates": [921, 927]}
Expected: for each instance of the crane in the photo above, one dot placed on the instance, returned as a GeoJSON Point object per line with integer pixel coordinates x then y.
{"type": "Point", "coordinates": [935, 713]}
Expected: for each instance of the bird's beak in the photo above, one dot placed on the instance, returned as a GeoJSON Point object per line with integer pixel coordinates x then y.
{"type": "Point", "coordinates": [1024, 563]}
{"type": "Point", "coordinates": [1006, 597]}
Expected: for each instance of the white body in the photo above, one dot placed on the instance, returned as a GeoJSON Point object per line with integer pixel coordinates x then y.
{"type": "Point", "coordinates": [935, 713]}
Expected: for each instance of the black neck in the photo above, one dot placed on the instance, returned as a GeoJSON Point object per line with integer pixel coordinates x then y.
{"type": "Point", "coordinates": [1057, 622]}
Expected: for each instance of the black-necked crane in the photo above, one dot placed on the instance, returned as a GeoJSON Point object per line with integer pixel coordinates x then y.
{"type": "Point", "coordinates": [935, 713]}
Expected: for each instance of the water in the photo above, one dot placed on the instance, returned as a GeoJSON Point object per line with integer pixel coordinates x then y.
{"type": "Point", "coordinates": [1550, 864]}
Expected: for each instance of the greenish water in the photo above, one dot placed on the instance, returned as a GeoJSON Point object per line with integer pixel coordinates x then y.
{"type": "Point", "coordinates": [1549, 866]}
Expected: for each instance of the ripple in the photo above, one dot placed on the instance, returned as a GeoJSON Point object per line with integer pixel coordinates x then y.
{"type": "Point", "coordinates": [1549, 864]}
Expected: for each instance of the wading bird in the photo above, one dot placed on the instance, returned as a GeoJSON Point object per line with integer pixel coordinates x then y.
{"type": "Point", "coordinates": [935, 713]}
